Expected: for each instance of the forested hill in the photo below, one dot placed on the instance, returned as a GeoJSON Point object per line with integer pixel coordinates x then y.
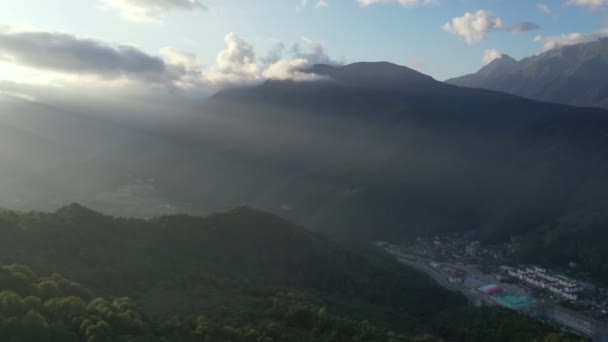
{"type": "Point", "coordinates": [243, 275]}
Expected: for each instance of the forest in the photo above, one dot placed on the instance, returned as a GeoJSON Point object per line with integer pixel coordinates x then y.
{"type": "Point", "coordinates": [243, 275]}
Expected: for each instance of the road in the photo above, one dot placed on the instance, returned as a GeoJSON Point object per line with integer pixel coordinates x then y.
{"type": "Point", "coordinates": [423, 265]}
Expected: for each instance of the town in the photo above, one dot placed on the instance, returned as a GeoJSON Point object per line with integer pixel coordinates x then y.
{"type": "Point", "coordinates": [487, 275]}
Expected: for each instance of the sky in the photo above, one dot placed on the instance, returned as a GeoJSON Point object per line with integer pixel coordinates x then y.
{"type": "Point", "coordinates": [203, 44]}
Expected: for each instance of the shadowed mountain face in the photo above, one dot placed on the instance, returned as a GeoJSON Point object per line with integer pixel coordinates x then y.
{"type": "Point", "coordinates": [391, 153]}
{"type": "Point", "coordinates": [370, 150]}
{"type": "Point", "coordinates": [381, 74]}
{"type": "Point", "coordinates": [575, 75]}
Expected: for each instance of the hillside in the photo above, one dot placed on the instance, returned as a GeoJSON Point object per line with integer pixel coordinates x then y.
{"type": "Point", "coordinates": [368, 151]}
{"type": "Point", "coordinates": [238, 276]}
{"type": "Point", "coordinates": [394, 154]}
{"type": "Point", "coordinates": [391, 160]}
{"type": "Point", "coordinates": [211, 256]}
{"type": "Point", "coordinates": [574, 75]}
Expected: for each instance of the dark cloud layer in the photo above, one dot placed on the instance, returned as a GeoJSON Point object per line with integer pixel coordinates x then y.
{"type": "Point", "coordinates": [522, 27]}
{"type": "Point", "coordinates": [67, 53]}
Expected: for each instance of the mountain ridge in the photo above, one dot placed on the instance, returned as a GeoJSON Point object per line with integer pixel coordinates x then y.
{"type": "Point", "coordinates": [378, 160]}
{"type": "Point", "coordinates": [574, 75]}
{"type": "Point", "coordinates": [371, 74]}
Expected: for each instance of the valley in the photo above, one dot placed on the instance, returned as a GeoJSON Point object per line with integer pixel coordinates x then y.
{"type": "Point", "coordinates": [483, 288]}
{"type": "Point", "coordinates": [303, 171]}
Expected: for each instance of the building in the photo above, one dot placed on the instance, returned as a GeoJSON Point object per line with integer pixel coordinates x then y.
{"type": "Point", "coordinates": [538, 277]}
{"type": "Point", "coordinates": [455, 278]}
{"type": "Point", "coordinates": [491, 289]}
{"type": "Point", "coordinates": [472, 248]}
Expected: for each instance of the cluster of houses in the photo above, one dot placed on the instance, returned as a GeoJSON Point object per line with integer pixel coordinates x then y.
{"type": "Point", "coordinates": [539, 277]}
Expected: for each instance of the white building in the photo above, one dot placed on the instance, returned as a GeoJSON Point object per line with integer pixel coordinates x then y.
{"type": "Point", "coordinates": [540, 278]}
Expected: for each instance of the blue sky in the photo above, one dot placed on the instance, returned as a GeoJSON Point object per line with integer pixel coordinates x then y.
{"type": "Point", "coordinates": [412, 35]}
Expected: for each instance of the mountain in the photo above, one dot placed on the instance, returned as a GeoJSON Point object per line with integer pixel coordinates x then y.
{"type": "Point", "coordinates": [394, 154]}
{"type": "Point", "coordinates": [380, 74]}
{"type": "Point", "coordinates": [501, 67]}
{"type": "Point", "coordinates": [574, 75]}
{"type": "Point", "coordinates": [242, 275]}
{"type": "Point", "coordinates": [369, 151]}
{"type": "Point", "coordinates": [400, 158]}
{"type": "Point", "coordinates": [55, 154]}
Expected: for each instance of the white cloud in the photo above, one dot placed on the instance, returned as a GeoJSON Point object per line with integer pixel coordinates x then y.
{"type": "Point", "coordinates": [64, 60]}
{"type": "Point", "coordinates": [289, 70]}
{"type": "Point", "coordinates": [303, 4]}
{"type": "Point", "coordinates": [405, 3]}
{"type": "Point", "coordinates": [238, 62]}
{"type": "Point", "coordinates": [567, 39]}
{"type": "Point", "coordinates": [150, 10]}
{"type": "Point", "coordinates": [185, 65]}
{"type": "Point", "coordinates": [474, 27]}
{"type": "Point", "coordinates": [491, 55]}
{"type": "Point", "coordinates": [544, 8]}
{"type": "Point", "coordinates": [588, 3]}
{"type": "Point", "coordinates": [175, 56]}
{"type": "Point", "coordinates": [311, 51]}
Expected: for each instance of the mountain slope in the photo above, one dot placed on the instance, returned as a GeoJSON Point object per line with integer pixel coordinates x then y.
{"type": "Point", "coordinates": [383, 161]}
{"type": "Point", "coordinates": [243, 275]}
{"type": "Point", "coordinates": [484, 78]}
{"type": "Point", "coordinates": [574, 75]}
{"type": "Point", "coordinates": [226, 251]}
{"type": "Point", "coordinates": [370, 151]}
{"type": "Point", "coordinates": [370, 74]}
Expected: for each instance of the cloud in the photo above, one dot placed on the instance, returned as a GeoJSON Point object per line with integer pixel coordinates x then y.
{"type": "Point", "coordinates": [66, 54]}
{"type": "Point", "coordinates": [544, 9]}
{"type": "Point", "coordinates": [239, 64]}
{"type": "Point", "coordinates": [303, 4]}
{"type": "Point", "coordinates": [60, 59]}
{"type": "Point", "coordinates": [177, 57]}
{"type": "Point", "coordinates": [7, 89]}
{"type": "Point", "coordinates": [523, 27]}
{"type": "Point", "coordinates": [491, 55]}
{"type": "Point", "coordinates": [184, 67]}
{"type": "Point", "coordinates": [151, 10]}
{"type": "Point", "coordinates": [474, 27]}
{"type": "Point", "coordinates": [290, 69]}
{"type": "Point", "coordinates": [405, 3]}
{"type": "Point", "coordinates": [567, 39]}
{"type": "Point", "coordinates": [311, 51]}
{"type": "Point", "coordinates": [275, 53]}
{"type": "Point", "coordinates": [594, 4]}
